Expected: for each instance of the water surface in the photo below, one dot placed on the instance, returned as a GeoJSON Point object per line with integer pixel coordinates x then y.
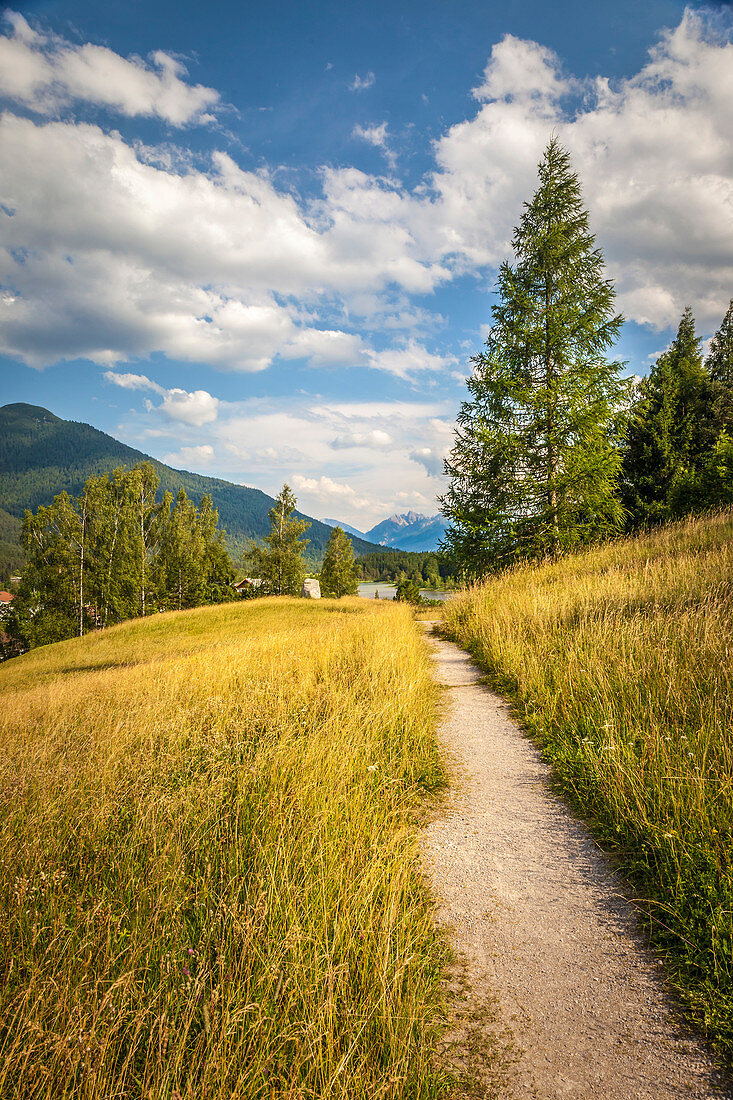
{"type": "Point", "coordinates": [369, 589]}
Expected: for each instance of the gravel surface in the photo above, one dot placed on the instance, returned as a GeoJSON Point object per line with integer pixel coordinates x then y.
{"type": "Point", "coordinates": [540, 919]}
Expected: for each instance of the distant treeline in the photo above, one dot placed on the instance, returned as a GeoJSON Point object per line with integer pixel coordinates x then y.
{"type": "Point", "coordinates": [427, 568]}
{"type": "Point", "coordinates": [115, 552]}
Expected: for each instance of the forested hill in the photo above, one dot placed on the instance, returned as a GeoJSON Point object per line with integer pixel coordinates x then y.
{"type": "Point", "coordinates": [41, 455]}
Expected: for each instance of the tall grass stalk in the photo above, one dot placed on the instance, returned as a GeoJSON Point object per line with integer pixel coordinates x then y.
{"type": "Point", "coordinates": [620, 661]}
{"type": "Point", "coordinates": [209, 871]}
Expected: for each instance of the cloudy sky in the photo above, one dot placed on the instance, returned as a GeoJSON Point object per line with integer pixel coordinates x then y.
{"type": "Point", "coordinates": [260, 241]}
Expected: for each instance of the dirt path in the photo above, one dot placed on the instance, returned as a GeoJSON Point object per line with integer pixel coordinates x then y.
{"type": "Point", "coordinates": [538, 915]}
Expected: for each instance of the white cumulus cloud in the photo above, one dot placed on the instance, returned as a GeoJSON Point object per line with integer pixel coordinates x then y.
{"type": "Point", "coordinates": [112, 251]}
{"type": "Point", "coordinates": [195, 408]}
{"type": "Point", "coordinates": [45, 73]}
{"type": "Point", "coordinates": [191, 457]}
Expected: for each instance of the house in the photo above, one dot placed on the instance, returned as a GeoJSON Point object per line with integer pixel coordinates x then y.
{"type": "Point", "coordinates": [6, 598]}
{"type": "Point", "coordinates": [246, 585]}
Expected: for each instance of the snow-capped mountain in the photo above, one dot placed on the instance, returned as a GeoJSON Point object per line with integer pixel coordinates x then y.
{"type": "Point", "coordinates": [409, 531]}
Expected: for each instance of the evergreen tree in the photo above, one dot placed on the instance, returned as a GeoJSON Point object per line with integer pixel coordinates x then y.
{"type": "Point", "coordinates": [671, 430]}
{"type": "Point", "coordinates": [534, 464]}
{"type": "Point", "coordinates": [408, 591]}
{"type": "Point", "coordinates": [279, 564]}
{"type": "Point", "coordinates": [720, 367]}
{"type": "Point", "coordinates": [338, 573]}
{"type": "Point", "coordinates": [218, 575]}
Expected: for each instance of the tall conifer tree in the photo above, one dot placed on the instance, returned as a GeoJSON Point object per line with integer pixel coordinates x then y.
{"type": "Point", "coordinates": [671, 429]}
{"type": "Point", "coordinates": [534, 464]}
{"type": "Point", "coordinates": [720, 366]}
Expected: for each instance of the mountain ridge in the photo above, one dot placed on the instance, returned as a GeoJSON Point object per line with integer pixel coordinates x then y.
{"type": "Point", "coordinates": [411, 531]}
{"type": "Point", "coordinates": [42, 455]}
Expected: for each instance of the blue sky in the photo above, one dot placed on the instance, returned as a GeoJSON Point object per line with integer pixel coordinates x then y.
{"type": "Point", "coordinates": [260, 241]}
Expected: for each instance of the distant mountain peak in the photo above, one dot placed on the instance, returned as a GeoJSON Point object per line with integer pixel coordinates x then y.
{"type": "Point", "coordinates": [409, 531]}
{"type": "Point", "coordinates": [404, 519]}
{"type": "Point", "coordinates": [29, 412]}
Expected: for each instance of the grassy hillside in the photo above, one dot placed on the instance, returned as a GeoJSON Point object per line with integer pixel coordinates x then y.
{"type": "Point", "coordinates": [41, 455]}
{"type": "Point", "coordinates": [209, 875]}
{"type": "Point", "coordinates": [621, 663]}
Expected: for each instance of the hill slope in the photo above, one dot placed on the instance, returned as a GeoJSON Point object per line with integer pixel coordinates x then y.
{"type": "Point", "coordinates": [41, 455]}
{"type": "Point", "coordinates": [209, 861]}
{"type": "Point", "coordinates": [619, 660]}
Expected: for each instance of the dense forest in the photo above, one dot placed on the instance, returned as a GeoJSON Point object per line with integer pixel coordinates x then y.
{"type": "Point", "coordinates": [429, 568]}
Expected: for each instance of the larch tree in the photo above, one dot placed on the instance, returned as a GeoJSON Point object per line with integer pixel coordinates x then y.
{"type": "Point", "coordinates": [338, 573]}
{"type": "Point", "coordinates": [534, 465]}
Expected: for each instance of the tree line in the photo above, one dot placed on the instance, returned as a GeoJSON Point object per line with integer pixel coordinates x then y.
{"type": "Point", "coordinates": [430, 568]}
{"type": "Point", "coordinates": [118, 551]}
{"type": "Point", "coordinates": [114, 552]}
{"type": "Point", "coordinates": [554, 449]}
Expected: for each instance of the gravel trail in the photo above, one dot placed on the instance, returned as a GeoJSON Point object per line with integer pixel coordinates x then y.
{"type": "Point", "coordinates": [534, 908]}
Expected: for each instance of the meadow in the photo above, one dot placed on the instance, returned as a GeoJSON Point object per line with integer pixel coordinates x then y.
{"type": "Point", "coordinates": [208, 858]}
{"type": "Point", "coordinates": [620, 663]}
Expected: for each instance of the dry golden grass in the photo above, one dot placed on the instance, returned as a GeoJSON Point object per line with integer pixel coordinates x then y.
{"type": "Point", "coordinates": [620, 660]}
{"type": "Point", "coordinates": [209, 870]}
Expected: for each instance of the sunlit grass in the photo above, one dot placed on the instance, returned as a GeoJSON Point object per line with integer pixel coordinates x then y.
{"type": "Point", "coordinates": [621, 662]}
{"type": "Point", "coordinates": [210, 878]}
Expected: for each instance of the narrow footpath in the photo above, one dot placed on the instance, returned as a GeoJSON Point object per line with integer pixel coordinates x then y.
{"type": "Point", "coordinates": [539, 917]}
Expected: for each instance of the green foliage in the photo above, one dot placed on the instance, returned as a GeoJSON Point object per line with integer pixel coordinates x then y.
{"type": "Point", "coordinates": [338, 573]}
{"type": "Point", "coordinates": [436, 569]}
{"type": "Point", "coordinates": [677, 460]}
{"type": "Point", "coordinates": [720, 358]}
{"type": "Point", "coordinates": [115, 552]}
{"type": "Point", "coordinates": [534, 465]}
{"type": "Point", "coordinates": [12, 557]}
{"type": "Point", "coordinates": [408, 591]}
{"type": "Point", "coordinates": [280, 564]}
{"type": "Point", "coordinates": [42, 455]}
